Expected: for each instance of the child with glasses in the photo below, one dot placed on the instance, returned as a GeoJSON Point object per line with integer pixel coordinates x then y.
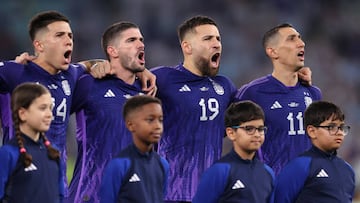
{"type": "Point", "coordinates": [239, 176]}
{"type": "Point", "coordinates": [318, 175]}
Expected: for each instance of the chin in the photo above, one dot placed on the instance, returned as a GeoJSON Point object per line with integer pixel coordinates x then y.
{"type": "Point", "coordinates": [65, 67]}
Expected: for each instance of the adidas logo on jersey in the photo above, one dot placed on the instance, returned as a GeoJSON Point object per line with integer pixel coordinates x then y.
{"type": "Point", "coordinates": [322, 174]}
{"type": "Point", "coordinates": [109, 93]}
{"type": "Point", "coordinates": [185, 88]}
{"type": "Point", "coordinates": [134, 178]}
{"type": "Point", "coordinates": [238, 185]}
{"type": "Point", "coordinates": [276, 105]}
{"type": "Point", "coordinates": [32, 167]}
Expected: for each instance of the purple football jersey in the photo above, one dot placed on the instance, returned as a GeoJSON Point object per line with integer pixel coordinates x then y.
{"type": "Point", "coordinates": [284, 112]}
{"type": "Point", "coordinates": [61, 87]}
{"type": "Point", "coordinates": [101, 131]}
{"type": "Point", "coordinates": [194, 109]}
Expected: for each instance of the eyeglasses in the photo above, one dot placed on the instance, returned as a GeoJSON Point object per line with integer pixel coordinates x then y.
{"type": "Point", "coordinates": [250, 130]}
{"type": "Point", "coordinates": [333, 129]}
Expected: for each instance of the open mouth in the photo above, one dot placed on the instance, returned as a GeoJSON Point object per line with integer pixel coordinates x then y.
{"type": "Point", "coordinates": [301, 54]}
{"type": "Point", "coordinates": [67, 56]}
{"type": "Point", "coordinates": [141, 57]}
{"type": "Point", "coordinates": [215, 59]}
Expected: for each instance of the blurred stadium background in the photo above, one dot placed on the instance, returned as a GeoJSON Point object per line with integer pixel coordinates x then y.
{"type": "Point", "coordinates": [329, 28]}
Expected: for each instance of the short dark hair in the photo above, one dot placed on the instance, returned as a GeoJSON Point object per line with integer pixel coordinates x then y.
{"type": "Point", "coordinates": [273, 32]}
{"type": "Point", "coordinates": [320, 111]}
{"type": "Point", "coordinates": [136, 102]}
{"type": "Point", "coordinates": [43, 19]}
{"type": "Point", "coordinates": [191, 23]}
{"type": "Point", "coordinates": [113, 31]}
{"type": "Point", "coordinates": [241, 112]}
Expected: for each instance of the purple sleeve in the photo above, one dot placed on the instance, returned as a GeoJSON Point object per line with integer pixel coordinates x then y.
{"type": "Point", "coordinates": [9, 75]}
{"type": "Point", "coordinates": [81, 92]}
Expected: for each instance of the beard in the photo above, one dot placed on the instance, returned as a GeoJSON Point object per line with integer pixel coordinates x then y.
{"type": "Point", "coordinates": [136, 69]}
{"type": "Point", "coordinates": [133, 67]}
{"type": "Point", "coordinates": [204, 65]}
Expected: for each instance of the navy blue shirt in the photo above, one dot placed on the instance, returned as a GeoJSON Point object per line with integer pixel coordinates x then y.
{"type": "Point", "coordinates": [233, 179]}
{"type": "Point", "coordinates": [315, 176]}
{"type": "Point", "coordinates": [39, 182]}
{"type": "Point", "coordinates": [135, 177]}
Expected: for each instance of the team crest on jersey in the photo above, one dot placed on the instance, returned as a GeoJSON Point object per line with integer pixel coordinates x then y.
{"type": "Point", "coordinates": [308, 100]}
{"type": "Point", "coordinates": [66, 87]}
{"type": "Point", "coordinates": [52, 87]}
{"type": "Point", "coordinates": [217, 87]}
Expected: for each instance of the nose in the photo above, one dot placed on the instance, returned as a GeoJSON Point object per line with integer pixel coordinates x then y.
{"type": "Point", "coordinates": [341, 131]}
{"type": "Point", "coordinates": [257, 133]}
{"type": "Point", "coordinates": [159, 124]}
{"type": "Point", "coordinates": [141, 44]}
{"type": "Point", "coordinates": [301, 43]}
{"type": "Point", "coordinates": [69, 40]}
{"type": "Point", "coordinates": [216, 43]}
{"type": "Point", "coordinates": [49, 111]}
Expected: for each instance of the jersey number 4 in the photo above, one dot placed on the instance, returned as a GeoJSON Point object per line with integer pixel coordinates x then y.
{"type": "Point", "coordinates": [61, 109]}
{"type": "Point", "coordinates": [211, 106]}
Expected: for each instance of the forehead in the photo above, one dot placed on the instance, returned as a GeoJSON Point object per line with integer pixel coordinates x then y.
{"type": "Point", "coordinates": [43, 98]}
{"type": "Point", "coordinates": [130, 33]}
{"type": "Point", "coordinates": [59, 26]}
{"type": "Point", "coordinates": [204, 30]}
{"type": "Point", "coordinates": [147, 109]}
{"type": "Point", "coordinates": [56, 27]}
{"type": "Point", "coordinates": [332, 119]}
{"type": "Point", "coordinates": [257, 122]}
{"type": "Point", "coordinates": [287, 31]}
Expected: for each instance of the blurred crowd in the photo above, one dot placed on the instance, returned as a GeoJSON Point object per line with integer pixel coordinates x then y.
{"type": "Point", "coordinates": [328, 27]}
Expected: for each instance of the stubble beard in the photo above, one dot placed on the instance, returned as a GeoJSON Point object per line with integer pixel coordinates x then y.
{"type": "Point", "coordinates": [134, 68]}
{"type": "Point", "coordinates": [204, 67]}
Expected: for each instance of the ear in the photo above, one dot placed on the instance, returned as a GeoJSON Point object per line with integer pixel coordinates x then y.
{"type": "Point", "coordinates": [129, 126]}
{"type": "Point", "coordinates": [38, 45]}
{"type": "Point", "coordinates": [112, 51]}
{"type": "Point", "coordinates": [186, 47]}
{"type": "Point", "coordinates": [22, 114]}
{"type": "Point", "coordinates": [230, 133]}
{"type": "Point", "coordinates": [311, 131]}
{"type": "Point", "coordinates": [271, 52]}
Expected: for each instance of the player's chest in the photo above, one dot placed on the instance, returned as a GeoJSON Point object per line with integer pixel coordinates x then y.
{"type": "Point", "coordinates": [110, 97]}
{"type": "Point", "coordinates": [60, 85]}
{"type": "Point", "coordinates": [279, 104]}
{"type": "Point", "coordinates": [188, 92]}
